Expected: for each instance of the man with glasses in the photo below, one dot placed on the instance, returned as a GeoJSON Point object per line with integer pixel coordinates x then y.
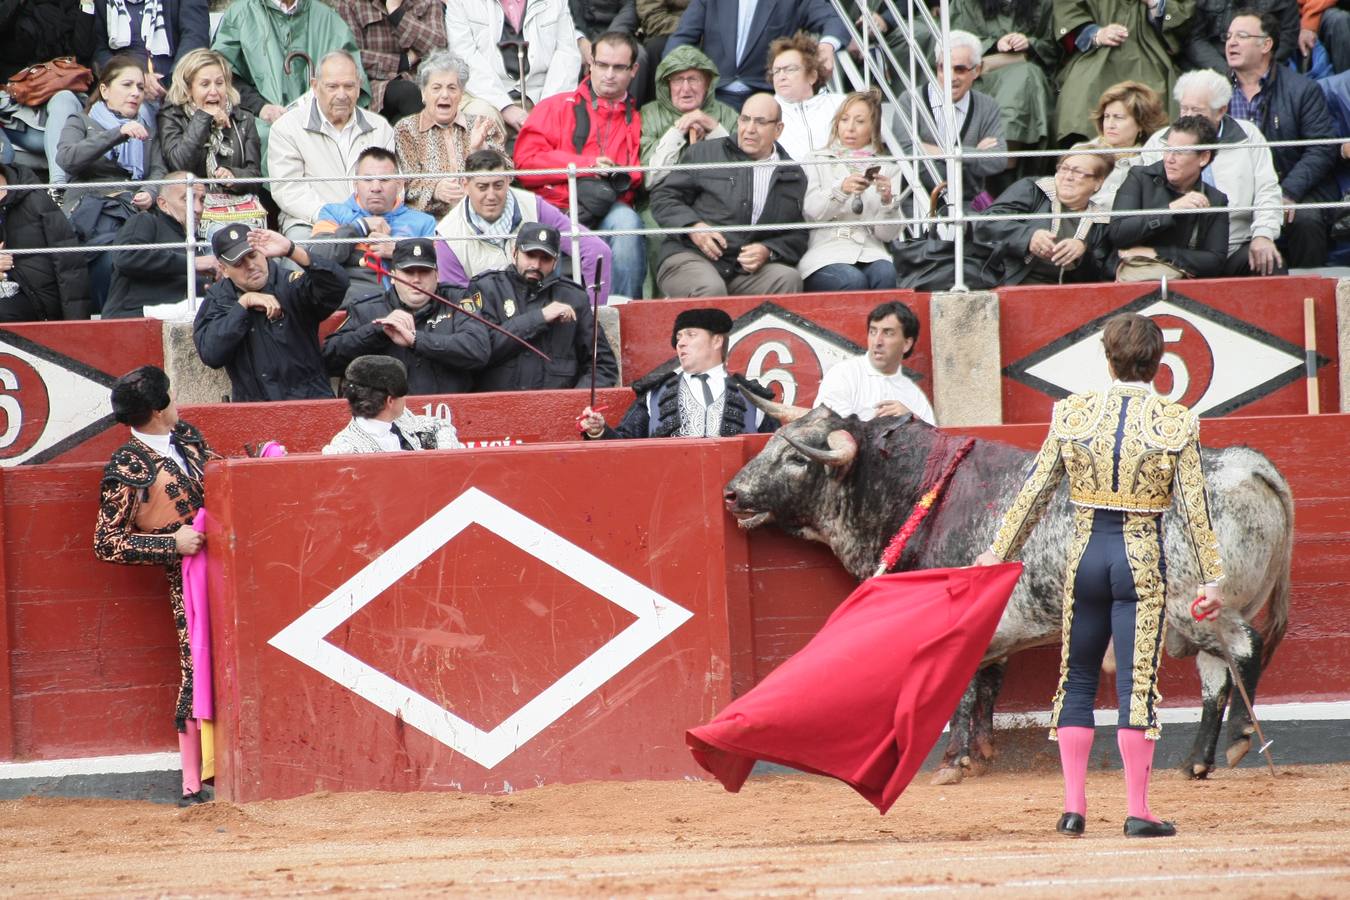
{"type": "Point", "coordinates": [979, 121]}
{"type": "Point", "coordinates": [1286, 106]}
{"type": "Point", "coordinates": [1206, 39]}
{"type": "Point", "coordinates": [736, 35]}
{"type": "Point", "coordinates": [1242, 169]}
{"type": "Point", "coordinates": [1179, 242]}
{"type": "Point", "coordinates": [596, 125]}
{"type": "Point", "coordinates": [707, 261]}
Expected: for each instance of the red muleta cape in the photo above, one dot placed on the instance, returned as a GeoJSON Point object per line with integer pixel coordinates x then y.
{"type": "Point", "coordinates": [867, 698]}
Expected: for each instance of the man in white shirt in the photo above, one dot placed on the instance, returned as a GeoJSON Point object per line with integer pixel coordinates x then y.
{"type": "Point", "coordinates": [873, 384]}
{"type": "Point", "coordinates": [699, 399]}
{"type": "Point", "coordinates": [376, 388]}
{"type": "Point", "coordinates": [323, 134]}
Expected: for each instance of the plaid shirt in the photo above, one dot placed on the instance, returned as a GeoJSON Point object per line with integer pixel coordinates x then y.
{"type": "Point", "coordinates": [1252, 110]}
{"type": "Point", "coordinates": [417, 25]}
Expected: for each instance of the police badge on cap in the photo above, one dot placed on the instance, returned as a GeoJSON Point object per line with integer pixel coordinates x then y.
{"type": "Point", "coordinates": [231, 244]}
{"type": "Point", "coordinates": [534, 236]}
{"type": "Point", "coordinates": [415, 253]}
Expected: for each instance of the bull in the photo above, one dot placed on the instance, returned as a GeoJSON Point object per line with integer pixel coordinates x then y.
{"type": "Point", "coordinates": [850, 485]}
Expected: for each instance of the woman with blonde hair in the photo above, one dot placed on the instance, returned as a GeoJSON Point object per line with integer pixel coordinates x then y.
{"type": "Point", "coordinates": [846, 184]}
{"type": "Point", "coordinates": [1127, 113]}
{"type": "Point", "coordinates": [204, 130]}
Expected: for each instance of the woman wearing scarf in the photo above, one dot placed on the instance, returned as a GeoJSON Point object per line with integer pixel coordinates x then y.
{"type": "Point", "coordinates": [204, 130]}
{"type": "Point", "coordinates": [850, 186]}
{"type": "Point", "coordinates": [109, 141]}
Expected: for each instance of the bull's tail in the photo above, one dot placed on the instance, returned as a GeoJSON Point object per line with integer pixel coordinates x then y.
{"type": "Point", "coordinates": [1277, 604]}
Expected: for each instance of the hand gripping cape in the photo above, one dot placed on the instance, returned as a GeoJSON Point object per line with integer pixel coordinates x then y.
{"type": "Point", "coordinates": [867, 698]}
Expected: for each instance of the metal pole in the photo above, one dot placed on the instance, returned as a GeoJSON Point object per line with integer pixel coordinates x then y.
{"type": "Point", "coordinates": [867, 25]}
{"type": "Point", "coordinates": [575, 233]}
{"type": "Point", "coordinates": [951, 149]}
{"type": "Point", "coordinates": [190, 227]}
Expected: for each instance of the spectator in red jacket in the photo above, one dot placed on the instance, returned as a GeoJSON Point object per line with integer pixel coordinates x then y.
{"type": "Point", "coordinates": [597, 125]}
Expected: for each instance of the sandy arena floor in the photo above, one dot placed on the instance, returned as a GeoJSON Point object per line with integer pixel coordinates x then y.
{"type": "Point", "coordinates": [1242, 835]}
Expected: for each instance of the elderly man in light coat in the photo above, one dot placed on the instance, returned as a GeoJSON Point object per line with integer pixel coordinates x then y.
{"type": "Point", "coordinates": [1243, 169]}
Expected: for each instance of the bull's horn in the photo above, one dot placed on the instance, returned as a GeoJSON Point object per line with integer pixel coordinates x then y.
{"type": "Point", "coordinates": [783, 412]}
{"type": "Point", "coordinates": [843, 448]}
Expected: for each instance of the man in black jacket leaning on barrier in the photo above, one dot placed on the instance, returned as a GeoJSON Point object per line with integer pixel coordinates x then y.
{"type": "Point", "coordinates": [261, 321]}
{"type": "Point", "coordinates": [151, 276]}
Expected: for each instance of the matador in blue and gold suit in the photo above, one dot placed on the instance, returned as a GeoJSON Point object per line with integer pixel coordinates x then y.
{"type": "Point", "coordinates": [1126, 451]}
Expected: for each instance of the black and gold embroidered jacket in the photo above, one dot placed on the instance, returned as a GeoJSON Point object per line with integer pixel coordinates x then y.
{"type": "Point", "coordinates": [143, 501]}
{"type": "Point", "coordinates": [1126, 449]}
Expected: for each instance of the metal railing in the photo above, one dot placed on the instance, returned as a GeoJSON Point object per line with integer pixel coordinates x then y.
{"type": "Point", "coordinates": [955, 217]}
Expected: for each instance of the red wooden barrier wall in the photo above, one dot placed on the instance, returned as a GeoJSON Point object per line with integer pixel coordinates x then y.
{"type": "Point", "coordinates": [90, 646]}
{"type": "Point", "coordinates": [54, 380]}
{"type": "Point", "coordinates": [1233, 345]}
{"type": "Point", "coordinates": [304, 426]}
{"type": "Point", "coordinates": [472, 621]}
{"type": "Point", "coordinates": [786, 342]}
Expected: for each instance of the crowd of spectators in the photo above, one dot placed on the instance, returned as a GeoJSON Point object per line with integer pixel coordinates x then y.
{"type": "Point", "coordinates": [797, 189]}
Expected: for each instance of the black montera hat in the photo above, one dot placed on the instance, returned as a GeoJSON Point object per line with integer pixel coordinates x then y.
{"type": "Point", "coordinates": [382, 373]}
{"type": "Point", "coordinates": [707, 318]}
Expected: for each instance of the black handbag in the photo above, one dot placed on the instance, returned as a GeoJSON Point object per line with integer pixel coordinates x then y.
{"type": "Point", "coordinates": [928, 263]}
{"type": "Point", "coordinates": [596, 196]}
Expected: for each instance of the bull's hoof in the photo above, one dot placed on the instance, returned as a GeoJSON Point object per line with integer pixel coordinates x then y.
{"type": "Point", "coordinates": [1196, 771]}
{"type": "Point", "coordinates": [948, 775]}
{"type": "Point", "coordinates": [976, 768]}
{"type": "Point", "coordinates": [1237, 750]}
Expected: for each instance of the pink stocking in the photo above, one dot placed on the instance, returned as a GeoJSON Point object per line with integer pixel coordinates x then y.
{"type": "Point", "coordinates": [1075, 746]}
{"type": "Point", "coordinates": [190, 750]}
{"type": "Point", "coordinates": [1137, 753]}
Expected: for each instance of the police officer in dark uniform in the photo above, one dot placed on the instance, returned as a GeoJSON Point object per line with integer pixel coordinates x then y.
{"type": "Point", "coordinates": [261, 321]}
{"type": "Point", "coordinates": [534, 302]}
{"type": "Point", "coordinates": [440, 347]}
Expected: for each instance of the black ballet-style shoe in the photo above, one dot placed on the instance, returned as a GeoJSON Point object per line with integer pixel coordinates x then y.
{"type": "Point", "coordinates": [193, 799]}
{"type": "Point", "coordinates": [1071, 824]}
{"type": "Point", "coordinates": [1136, 827]}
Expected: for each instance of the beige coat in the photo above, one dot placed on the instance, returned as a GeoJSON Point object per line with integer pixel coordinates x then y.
{"type": "Point", "coordinates": [825, 202]}
{"type": "Point", "coordinates": [299, 146]}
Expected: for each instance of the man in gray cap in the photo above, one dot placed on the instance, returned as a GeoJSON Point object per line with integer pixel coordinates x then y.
{"type": "Point", "coordinates": [261, 321]}
{"type": "Point", "coordinates": [376, 388]}
{"type": "Point", "coordinates": [533, 301]}
{"type": "Point", "coordinates": [441, 347]}
{"type": "Point", "coordinates": [699, 399]}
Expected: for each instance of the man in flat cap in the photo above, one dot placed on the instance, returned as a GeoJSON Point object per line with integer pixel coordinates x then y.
{"type": "Point", "coordinates": [699, 399]}
{"type": "Point", "coordinates": [376, 388]}
{"type": "Point", "coordinates": [533, 301]}
{"type": "Point", "coordinates": [261, 321]}
{"type": "Point", "coordinates": [441, 347]}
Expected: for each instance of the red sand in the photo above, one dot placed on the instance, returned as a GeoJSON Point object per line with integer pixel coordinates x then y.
{"type": "Point", "coordinates": [1243, 834]}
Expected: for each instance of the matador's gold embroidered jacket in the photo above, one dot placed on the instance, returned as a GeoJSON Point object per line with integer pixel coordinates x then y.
{"type": "Point", "coordinates": [1124, 449]}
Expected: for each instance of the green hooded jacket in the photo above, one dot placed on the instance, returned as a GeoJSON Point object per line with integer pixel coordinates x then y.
{"type": "Point", "coordinates": [255, 37]}
{"type": "Point", "coordinates": [660, 114]}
